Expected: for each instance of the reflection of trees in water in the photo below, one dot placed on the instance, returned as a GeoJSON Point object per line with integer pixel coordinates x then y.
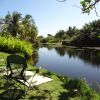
{"type": "Point", "coordinates": [91, 57]}
{"type": "Point", "coordinates": [63, 50]}
{"type": "Point", "coordinates": [60, 51]}
{"type": "Point", "coordinates": [88, 56]}
{"type": "Point", "coordinates": [34, 58]}
{"type": "Point", "coordinates": [71, 52]}
{"type": "Point", "coordinates": [49, 47]}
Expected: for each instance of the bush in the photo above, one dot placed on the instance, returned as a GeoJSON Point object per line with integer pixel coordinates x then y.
{"type": "Point", "coordinates": [44, 40]}
{"type": "Point", "coordinates": [93, 95]}
{"type": "Point", "coordinates": [13, 45]}
{"type": "Point", "coordinates": [78, 86]}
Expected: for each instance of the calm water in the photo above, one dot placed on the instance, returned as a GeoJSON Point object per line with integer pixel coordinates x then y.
{"type": "Point", "coordinates": [75, 63]}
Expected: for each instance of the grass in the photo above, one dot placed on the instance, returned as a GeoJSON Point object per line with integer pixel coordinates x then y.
{"type": "Point", "coordinates": [60, 88]}
{"type": "Point", "coordinates": [48, 91]}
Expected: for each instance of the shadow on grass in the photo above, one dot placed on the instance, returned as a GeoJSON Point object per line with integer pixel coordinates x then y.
{"type": "Point", "coordinates": [37, 98]}
{"type": "Point", "coordinates": [41, 94]}
{"type": "Point", "coordinates": [12, 94]}
{"type": "Point", "coordinates": [9, 90]}
{"type": "Point", "coordinates": [47, 74]}
{"type": "Point", "coordinates": [47, 95]}
{"type": "Point", "coordinates": [66, 96]}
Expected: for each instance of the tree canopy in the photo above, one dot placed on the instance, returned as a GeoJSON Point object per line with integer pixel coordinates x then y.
{"type": "Point", "coordinates": [17, 26]}
{"type": "Point", "coordinates": [88, 35]}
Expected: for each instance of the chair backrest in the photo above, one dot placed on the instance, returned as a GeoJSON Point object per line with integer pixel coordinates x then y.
{"type": "Point", "coordinates": [16, 59]}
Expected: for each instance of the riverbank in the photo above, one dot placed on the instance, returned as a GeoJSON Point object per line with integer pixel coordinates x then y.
{"type": "Point", "coordinates": [92, 48]}
{"type": "Point", "coordinates": [64, 88]}
{"type": "Point", "coordinates": [75, 47]}
{"type": "Point", "coordinates": [60, 88]}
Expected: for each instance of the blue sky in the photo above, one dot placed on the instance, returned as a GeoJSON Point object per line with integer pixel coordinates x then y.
{"type": "Point", "coordinates": [50, 16]}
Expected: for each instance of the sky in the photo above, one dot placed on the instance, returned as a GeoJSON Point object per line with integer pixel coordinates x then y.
{"type": "Point", "coordinates": [50, 16]}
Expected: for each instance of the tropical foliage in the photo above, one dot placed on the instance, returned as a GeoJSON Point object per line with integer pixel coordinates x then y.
{"type": "Point", "coordinates": [22, 27]}
{"type": "Point", "coordinates": [13, 45]}
{"type": "Point", "coordinates": [88, 35]}
{"type": "Point", "coordinates": [60, 35]}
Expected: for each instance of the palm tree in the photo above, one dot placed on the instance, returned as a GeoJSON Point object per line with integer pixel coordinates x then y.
{"type": "Point", "coordinates": [91, 30]}
{"type": "Point", "coordinates": [14, 23]}
{"type": "Point", "coordinates": [60, 35]}
{"type": "Point", "coordinates": [3, 27]}
{"type": "Point", "coordinates": [24, 28]}
{"type": "Point", "coordinates": [10, 24]}
{"type": "Point", "coordinates": [72, 31]}
{"type": "Point", "coordinates": [28, 28]}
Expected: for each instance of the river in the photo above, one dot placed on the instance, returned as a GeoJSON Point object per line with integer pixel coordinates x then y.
{"type": "Point", "coordinates": [71, 62]}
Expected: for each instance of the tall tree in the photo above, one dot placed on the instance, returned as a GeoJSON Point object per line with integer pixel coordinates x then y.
{"type": "Point", "coordinates": [24, 28]}
{"type": "Point", "coordinates": [60, 35]}
{"type": "Point", "coordinates": [12, 22]}
{"type": "Point", "coordinates": [28, 28]}
{"type": "Point", "coordinates": [72, 31]}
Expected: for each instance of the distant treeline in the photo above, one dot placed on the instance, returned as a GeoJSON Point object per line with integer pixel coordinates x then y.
{"type": "Point", "coordinates": [88, 35]}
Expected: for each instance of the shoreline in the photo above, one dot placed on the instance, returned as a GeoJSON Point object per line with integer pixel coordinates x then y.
{"type": "Point", "coordinates": [76, 47]}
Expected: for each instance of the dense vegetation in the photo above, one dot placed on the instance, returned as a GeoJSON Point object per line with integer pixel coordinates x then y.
{"type": "Point", "coordinates": [13, 45]}
{"type": "Point", "coordinates": [88, 35]}
{"type": "Point", "coordinates": [18, 34]}
{"type": "Point", "coordinates": [23, 28]}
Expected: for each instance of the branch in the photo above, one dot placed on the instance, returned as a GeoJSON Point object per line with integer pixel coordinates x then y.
{"type": "Point", "coordinates": [61, 0]}
{"type": "Point", "coordinates": [90, 5]}
{"type": "Point", "coordinates": [87, 6]}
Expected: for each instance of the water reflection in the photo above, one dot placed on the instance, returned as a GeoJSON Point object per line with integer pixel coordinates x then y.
{"type": "Point", "coordinates": [72, 62]}
{"type": "Point", "coordinates": [34, 58]}
{"type": "Point", "coordinates": [60, 51]}
{"type": "Point", "coordinates": [90, 57]}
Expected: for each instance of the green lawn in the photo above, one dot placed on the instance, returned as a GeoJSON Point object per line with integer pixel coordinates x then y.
{"type": "Point", "coordinates": [53, 90]}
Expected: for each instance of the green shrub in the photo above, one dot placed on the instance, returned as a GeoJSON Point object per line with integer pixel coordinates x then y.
{"type": "Point", "coordinates": [13, 45]}
{"type": "Point", "coordinates": [92, 95]}
{"type": "Point", "coordinates": [78, 86]}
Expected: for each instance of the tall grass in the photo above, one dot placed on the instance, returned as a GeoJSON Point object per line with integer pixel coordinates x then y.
{"type": "Point", "coordinates": [14, 45]}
